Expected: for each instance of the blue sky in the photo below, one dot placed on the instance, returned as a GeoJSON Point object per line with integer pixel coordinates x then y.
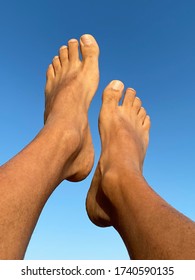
{"type": "Point", "coordinates": [150, 46]}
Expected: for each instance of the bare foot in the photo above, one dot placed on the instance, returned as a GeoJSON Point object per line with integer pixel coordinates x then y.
{"type": "Point", "coordinates": [124, 132]}
{"type": "Point", "coordinates": [70, 87]}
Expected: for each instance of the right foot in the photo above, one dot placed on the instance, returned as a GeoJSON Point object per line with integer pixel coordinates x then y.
{"type": "Point", "coordinates": [70, 87]}
{"type": "Point", "coordinates": [124, 132]}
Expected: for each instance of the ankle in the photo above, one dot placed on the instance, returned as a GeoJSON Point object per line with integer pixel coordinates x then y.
{"type": "Point", "coordinates": [119, 168]}
{"type": "Point", "coordinates": [70, 137]}
{"type": "Point", "coordinates": [117, 184]}
{"type": "Point", "coordinates": [120, 192]}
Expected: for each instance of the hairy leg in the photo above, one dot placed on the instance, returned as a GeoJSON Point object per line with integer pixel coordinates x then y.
{"type": "Point", "coordinates": [119, 196]}
{"type": "Point", "coordinates": [62, 150]}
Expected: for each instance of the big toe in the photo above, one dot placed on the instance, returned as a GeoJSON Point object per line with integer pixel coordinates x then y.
{"type": "Point", "coordinates": [89, 47]}
{"type": "Point", "coordinates": [113, 93]}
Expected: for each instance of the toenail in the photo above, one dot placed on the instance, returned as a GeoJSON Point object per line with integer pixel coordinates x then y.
{"type": "Point", "coordinates": [86, 39]}
{"type": "Point", "coordinates": [132, 89]}
{"type": "Point", "coordinates": [72, 41]}
{"type": "Point", "coordinates": [63, 47]}
{"type": "Point", "coordinates": [117, 85]}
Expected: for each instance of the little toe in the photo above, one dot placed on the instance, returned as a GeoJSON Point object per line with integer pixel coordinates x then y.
{"type": "Point", "coordinates": [56, 65]}
{"type": "Point", "coordinates": [113, 92]}
{"type": "Point", "coordinates": [136, 105]}
{"type": "Point", "coordinates": [129, 97]}
{"type": "Point", "coordinates": [73, 51]}
{"type": "Point", "coordinates": [50, 74]}
{"type": "Point", "coordinates": [89, 47]}
{"type": "Point", "coordinates": [63, 55]}
{"type": "Point", "coordinates": [142, 114]}
{"type": "Point", "coordinates": [147, 123]}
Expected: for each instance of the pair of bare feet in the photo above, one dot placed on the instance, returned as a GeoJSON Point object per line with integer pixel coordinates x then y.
{"type": "Point", "coordinates": [63, 149]}
{"type": "Point", "coordinates": [124, 130]}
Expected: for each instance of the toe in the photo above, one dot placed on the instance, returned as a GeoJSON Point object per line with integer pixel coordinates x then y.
{"type": "Point", "coordinates": [73, 52]}
{"type": "Point", "coordinates": [63, 55]}
{"type": "Point", "coordinates": [113, 92]}
{"type": "Point", "coordinates": [147, 123]}
{"type": "Point", "coordinates": [56, 65]}
{"type": "Point", "coordinates": [50, 72]}
{"type": "Point", "coordinates": [50, 75]}
{"type": "Point", "coordinates": [136, 105]}
{"type": "Point", "coordinates": [129, 97]}
{"type": "Point", "coordinates": [142, 115]}
{"type": "Point", "coordinates": [89, 47]}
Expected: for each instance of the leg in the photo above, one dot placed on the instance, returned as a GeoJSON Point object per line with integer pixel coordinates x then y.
{"type": "Point", "coordinates": [120, 196]}
{"type": "Point", "coordinates": [62, 150]}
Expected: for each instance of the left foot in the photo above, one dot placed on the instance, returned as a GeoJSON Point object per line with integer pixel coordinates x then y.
{"type": "Point", "coordinates": [70, 87]}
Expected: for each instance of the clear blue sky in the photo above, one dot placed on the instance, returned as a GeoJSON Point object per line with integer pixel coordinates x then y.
{"type": "Point", "coordinates": [149, 45]}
